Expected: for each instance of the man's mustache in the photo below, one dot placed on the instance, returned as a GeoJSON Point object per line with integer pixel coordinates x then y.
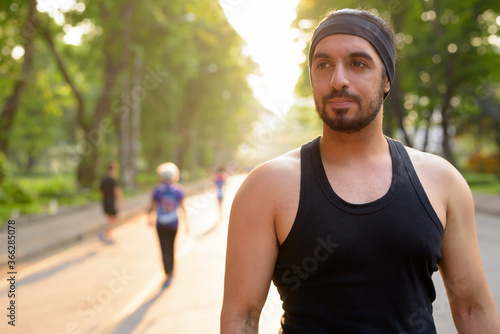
{"type": "Point", "coordinates": [334, 93]}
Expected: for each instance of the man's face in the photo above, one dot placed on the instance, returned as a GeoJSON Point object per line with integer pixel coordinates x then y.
{"type": "Point", "coordinates": [348, 82]}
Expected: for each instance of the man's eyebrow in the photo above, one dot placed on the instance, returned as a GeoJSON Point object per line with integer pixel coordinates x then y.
{"type": "Point", "coordinates": [321, 55]}
{"type": "Point", "coordinates": [361, 54]}
{"type": "Point", "coordinates": [355, 54]}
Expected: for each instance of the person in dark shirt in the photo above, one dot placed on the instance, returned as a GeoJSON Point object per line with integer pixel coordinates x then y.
{"type": "Point", "coordinates": [111, 197]}
{"type": "Point", "coordinates": [351, 226]}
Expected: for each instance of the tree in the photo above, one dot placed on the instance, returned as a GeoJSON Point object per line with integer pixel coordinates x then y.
{"type": "Point", "coordinates": [178, 62]}
{"type": "Point", "coordinates": [113, 48]}
{"type": "Point", "coordinates": [39, 120]}
{"type": "Point", "coordinates": [451, 64]}
{"type": "Point", "coordinates": [485, 125]}
{"type": "Point", "coordinates": [26, 32]}
{"type": "Point", "coordinates": [195, 117]}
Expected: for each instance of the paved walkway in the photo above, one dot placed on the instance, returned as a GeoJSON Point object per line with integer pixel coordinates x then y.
{"type": "Point", "coordinates": [50, 233]}
{"type": "Point", "coordinates": [487, 204]}
{"type": "Point", "coordinates": [38, 236]}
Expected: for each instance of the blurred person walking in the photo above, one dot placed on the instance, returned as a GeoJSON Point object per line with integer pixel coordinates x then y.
{"type": "Point", "coordinates": [111, 199]}
{"type": "Point", "coordinates": [167, 201]}
{"type": "Point", "coordinates": [220, 179]}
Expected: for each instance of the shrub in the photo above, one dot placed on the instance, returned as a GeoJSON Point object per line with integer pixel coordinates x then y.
{"type": "Point", "coordinates": [13, 192]}
{"type": "Point", "coordinates": [56, 187]}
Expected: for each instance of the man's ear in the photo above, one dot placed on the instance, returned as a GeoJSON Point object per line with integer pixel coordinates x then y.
{"type": "Point", "coordinates": [387, 86]}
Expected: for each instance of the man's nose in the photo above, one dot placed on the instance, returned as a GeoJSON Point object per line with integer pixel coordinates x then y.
{"type": "Point", "coordinates": [339, 78]}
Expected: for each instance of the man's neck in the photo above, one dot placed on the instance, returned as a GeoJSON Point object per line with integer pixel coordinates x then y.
{"type": "Point", "coordinates": [345, 148]}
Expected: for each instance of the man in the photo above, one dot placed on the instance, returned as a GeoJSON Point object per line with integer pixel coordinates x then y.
{"type": "Point", "coordinates": [351, 226]}
{"type": "Point", "coordinates": [111, 195]}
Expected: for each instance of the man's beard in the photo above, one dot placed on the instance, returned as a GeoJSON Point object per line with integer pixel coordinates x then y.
{"type": "Point", "coordinates": [363, 117]}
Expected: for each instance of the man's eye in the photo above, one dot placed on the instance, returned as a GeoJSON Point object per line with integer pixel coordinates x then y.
{"type": "Point", "coordinates": [357, 63]}
{"type": "Point", "coordinates": [322, 65]}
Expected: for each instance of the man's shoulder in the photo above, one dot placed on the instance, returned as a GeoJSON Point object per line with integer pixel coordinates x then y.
{"type": "Point", "coordinates": [277, 174]}
{"type": "Point", "coordinates": [280, 167]}
{"type": "Point", "coordinates": [429, 161]}
{"type": "Point", "coordinates": [435, 168]}
{"type": "Point", "coordinates": [269, 190]}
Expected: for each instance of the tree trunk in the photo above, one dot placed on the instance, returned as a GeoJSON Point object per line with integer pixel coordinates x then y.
{"type": "Point", "coordinates": [445, 114]}
{"type": "Point", "coordinates": [135, 121]}
{"type": "Point", "coordinates": [32, 160]}
{"type": "Point", "coordinates": [445, 124]}
{"type": "Point", "coordinates": [447, 150]}
{"type": "Point", "coordinates": [86, 171]}
{"type": "Point", "coordinates": [497, 135]}
{"type": "Point", "coordinates": [95, 127]}
{"type": "Point", "coordinates": [80, 110]}
{"type": "Point", "coordinates": [397, 105]}
{"type": "Point", "coordinates": [124, 135]}
{"type": "Point", "coordinates": [115, 62]}
{"type": "Point", "coordinates": [94, 134]}
{"type": "Point", "coordinates": [427, 132]}
{"type": "Point", "coordinates": [389, 122]}
{"type": "Point", "coordinates": [13, 101]}
{"type": "Point", "coordinates": [396, 95]}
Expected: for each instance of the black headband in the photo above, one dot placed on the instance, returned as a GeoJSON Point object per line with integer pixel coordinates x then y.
{"type": "Point", "coordinates": [352, 24]}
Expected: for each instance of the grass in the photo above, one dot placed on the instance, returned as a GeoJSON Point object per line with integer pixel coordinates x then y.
{"type": "Point", "coordinates": [483, 183]}
{"type": "Point", "coordinates": [63, 189]}
{"type": "Point", "coordinates": [42, 190]}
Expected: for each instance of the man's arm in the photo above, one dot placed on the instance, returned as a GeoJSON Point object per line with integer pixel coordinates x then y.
{"type": "Point", "coordinates": [252, 250]}
{"type": "Point", "coordinates": [471, 301]}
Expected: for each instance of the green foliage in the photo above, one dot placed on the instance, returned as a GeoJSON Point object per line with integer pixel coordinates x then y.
{"type": "Point", "coordinates": [5, 171]}
{"type": "Point", "coordinates": [11, 191]}
{"type": "Point", "coordinates": [196, 106]}
{"type": "Point", "coordinates": [483, 183]}
{"type": "Point", "coordinates": [40, 121]}
{"type": "Point", "coordinates": [194, 116]}
{"type": "Point", "coordinates": [56, 187]}
{"type": "Point", "coordinates": [13, 195]}
{"type": "Point", "coordinates": [11, 22]}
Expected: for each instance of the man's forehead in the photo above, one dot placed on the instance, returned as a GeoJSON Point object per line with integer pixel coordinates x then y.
{"type": "Point", "coordinates": [345, 43]}
{"type": "Point", "coordinates": [363, 25]}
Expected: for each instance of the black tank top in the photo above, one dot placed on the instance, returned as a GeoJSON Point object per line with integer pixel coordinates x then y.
{"type": "Point", "coordinates": [359, 268]}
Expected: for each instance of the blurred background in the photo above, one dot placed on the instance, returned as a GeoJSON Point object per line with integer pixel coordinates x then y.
{"type": "Point", "coordinates": [205, 83]}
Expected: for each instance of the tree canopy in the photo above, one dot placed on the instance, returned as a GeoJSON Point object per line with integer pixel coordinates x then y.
{"type": "Point", "coordinates": [142, 82]}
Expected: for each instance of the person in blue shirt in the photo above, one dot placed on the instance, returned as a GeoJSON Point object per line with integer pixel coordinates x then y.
{"type": "Point", "coordinates": [219, 181]}
{"type": "Point", "coordinates": [167, 201]}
